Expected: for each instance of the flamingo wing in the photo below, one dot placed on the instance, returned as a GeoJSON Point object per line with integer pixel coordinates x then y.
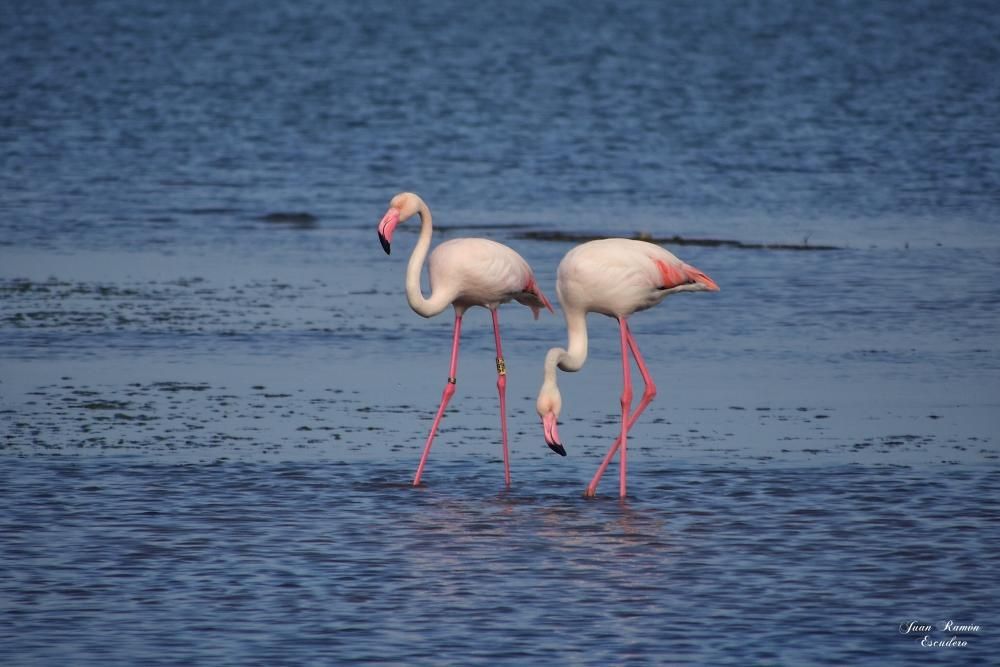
{"type": "Point", "coordinates": [678, 275]}
{"type": "Point", "coordinates": [533, 297]}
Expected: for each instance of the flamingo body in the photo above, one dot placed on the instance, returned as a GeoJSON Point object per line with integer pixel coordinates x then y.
{"type": "Point", "coordinates": [618, 277]}
{"type": "Point", "coordinates": [613, 277]}
{"type": "Point", "coordinates": [481, 272]}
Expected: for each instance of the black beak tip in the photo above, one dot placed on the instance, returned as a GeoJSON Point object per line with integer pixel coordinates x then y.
{"type": "Point", "coordinates": [385, 243]}
{"type": "Point", "coordinates": [557, 448]}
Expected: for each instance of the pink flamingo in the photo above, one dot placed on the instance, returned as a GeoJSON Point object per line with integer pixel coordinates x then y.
{"type": "Point", "coordinates": [614, 277]}
{"type": "Point", "coordinates": [463, 273]}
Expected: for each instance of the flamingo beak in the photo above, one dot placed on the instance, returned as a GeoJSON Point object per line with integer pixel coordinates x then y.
{"type": "Point", "coordinates": [552, 435]}
{"type": "Point", "coordinates": [387, 227]}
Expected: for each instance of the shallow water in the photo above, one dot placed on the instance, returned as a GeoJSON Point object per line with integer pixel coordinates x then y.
{"type": "Point", "coordinates": [264, 563]}
{"type": "Point", "coordinates": [213, 395]}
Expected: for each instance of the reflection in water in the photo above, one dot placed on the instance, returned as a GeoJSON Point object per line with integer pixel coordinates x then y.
{"type": "Point", "coordinates": [248, 563]}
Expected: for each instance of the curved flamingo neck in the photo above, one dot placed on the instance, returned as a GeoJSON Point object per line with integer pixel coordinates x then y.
{"type": "Point", "coordinates": [414, 295]}
{"type": "Point", "coordinates": [572, 358]}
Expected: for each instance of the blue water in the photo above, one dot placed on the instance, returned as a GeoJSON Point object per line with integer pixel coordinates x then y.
{"type": "Point", "coordinates": [213, 395]}
{"type": "Point", "coordinates": [278, 564]}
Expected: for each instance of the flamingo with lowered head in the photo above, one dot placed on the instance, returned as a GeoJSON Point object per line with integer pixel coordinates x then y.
{"type": "Point", "coordinates": [613, 277]}
{"type": "Point", "coordinates": [463, 273]}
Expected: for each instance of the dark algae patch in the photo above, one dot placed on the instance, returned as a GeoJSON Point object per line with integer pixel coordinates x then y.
{"type": "Point", "coordinates": [582, 237]}
{"type": "Point", "coordinates": [299, 219]}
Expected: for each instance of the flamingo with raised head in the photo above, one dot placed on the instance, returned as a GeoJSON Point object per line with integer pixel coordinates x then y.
{"type": "Point", "coordinates": [613, 277]}
{"type": "Point", "coordinates": [463, 273]}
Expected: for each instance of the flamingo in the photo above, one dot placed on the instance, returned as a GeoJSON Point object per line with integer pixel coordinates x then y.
{"type": "Point", "coordinates": [613, 277]}
{"type": "Point", "coordinates": [463, 273]}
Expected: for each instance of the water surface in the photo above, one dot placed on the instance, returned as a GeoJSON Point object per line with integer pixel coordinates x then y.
{"type": "Point", "coordinates": [213, 395]}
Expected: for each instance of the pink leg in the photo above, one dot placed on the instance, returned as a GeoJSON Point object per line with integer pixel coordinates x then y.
{"type": "Point", "coordinates": [449, 391]}
{"type": "Point", "coordinates": [502, 389]}
{"type": "Point", "coordinates": [647, 397]}
{"type": "Point", "coordinates": [626, 401]}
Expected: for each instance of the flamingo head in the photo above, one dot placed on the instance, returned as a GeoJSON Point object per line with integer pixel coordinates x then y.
{"type": "Point", "coordinates": [402, 207]}
{"type": "Point", "coordinates": [549, 404]}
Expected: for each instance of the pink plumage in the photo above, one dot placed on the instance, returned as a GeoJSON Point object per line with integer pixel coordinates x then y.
{"type": "Point", "coordinates": [481, 272]}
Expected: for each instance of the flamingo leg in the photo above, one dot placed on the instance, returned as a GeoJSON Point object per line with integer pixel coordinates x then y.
{"type": "Point", "coordinates": [626, 401]}
{"type": "Point", "coordinates": [449, 391]}
{"type": "Point", "coordinates": [502, 390]}
{"type": "Point", "coordinates": [648, 394]}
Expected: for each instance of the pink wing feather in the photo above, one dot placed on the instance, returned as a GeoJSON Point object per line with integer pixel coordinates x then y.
{"type": "Point", "coordinates": [534, 299]}
{"type": "Point", "coordinates": [685, 274]}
